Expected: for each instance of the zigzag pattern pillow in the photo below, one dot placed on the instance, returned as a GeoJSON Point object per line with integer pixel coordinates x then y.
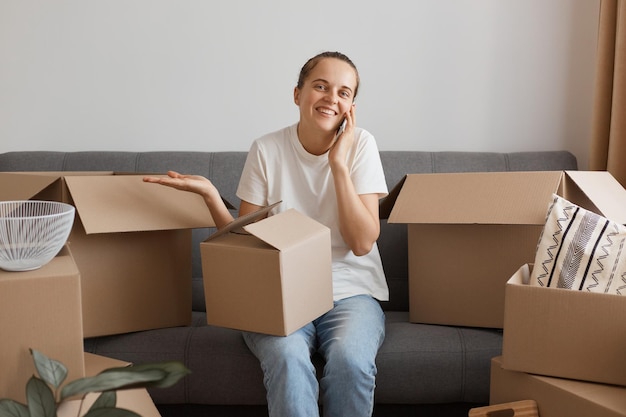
{"type": "Point", "coordinates": [580, 250]}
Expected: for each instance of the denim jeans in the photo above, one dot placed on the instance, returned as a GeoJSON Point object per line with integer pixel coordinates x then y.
{"type": "Point", "coordinates": [348, 338]}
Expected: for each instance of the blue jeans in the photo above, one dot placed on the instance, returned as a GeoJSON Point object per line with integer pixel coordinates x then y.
{"type": "Point", "coordinates": [348, 338]}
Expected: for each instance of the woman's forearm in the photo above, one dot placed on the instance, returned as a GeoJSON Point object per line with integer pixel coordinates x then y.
{"type": "Point", "coordinates": [358, 214]}
{"type": "Point", "coordinates": [219, 212]}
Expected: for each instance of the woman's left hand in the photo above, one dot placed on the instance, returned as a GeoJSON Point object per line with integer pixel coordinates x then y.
{"type": "Point", "coordinates": [339, 150]}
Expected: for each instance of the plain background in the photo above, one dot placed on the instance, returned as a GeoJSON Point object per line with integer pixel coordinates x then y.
{"type": "Point", "coordinates": [200, 75]}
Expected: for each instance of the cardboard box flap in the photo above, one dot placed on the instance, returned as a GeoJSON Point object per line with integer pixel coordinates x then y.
{"type": "Point", "coordinates": [236, 226]}
{"type": "Point", "coordinates": [94, 364]}
{"type": "Point", "coordinates": [124, 203]}
{"type": "Point", "coordinates": [22, 186]}
{"type": "Point", "coordinates": [604, 191]}
{"type": "Point", "coordinates": [476, 198]}
{"type": "Point", "coordinates": [285, 229]}
{"type": "Point", "coordinates": [385, 205]}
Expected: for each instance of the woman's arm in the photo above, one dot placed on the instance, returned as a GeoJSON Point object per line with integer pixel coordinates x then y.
{"type": "Point", "coordinates": [358, 214]}
{"type": "Point", "coordinates": [201, 186]}
{"type": "Point", "coordinates": [245, 208]}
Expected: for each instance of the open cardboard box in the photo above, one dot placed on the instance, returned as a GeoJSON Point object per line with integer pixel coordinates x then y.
{"type": "Point", "coordinates": [270, 276]}
{"type": "Point", "coordinates": [131, 241]}
{"type": "Point", "coordinates": [556, 397]}
{"type": "Point", "coordinates": [563, 333]}
{"type": "Point", "coordinates": [41, 310]}
{"type": "Point", "coordinates": [469, 232]}
{"type": "Point", "coordinates": [137, 400]}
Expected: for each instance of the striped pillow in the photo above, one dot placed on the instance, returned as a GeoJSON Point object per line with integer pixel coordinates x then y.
{"type": "Point", "coordinates": [580, 250]}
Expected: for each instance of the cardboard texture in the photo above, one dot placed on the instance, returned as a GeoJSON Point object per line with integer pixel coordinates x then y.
{"type": "Point", "coordinates": [131, 241]}
{"type": "Point", "coordinates": [40, 309]}
{"type": "Point", "coordinates": [137, 400]}
{"type": "Point", "coordinates": [273, 278]}
{"type": "Point", "coordinates": [469, 232]}
{"type": "Point", "coordinates": [556, 397]}
{"type": "Point", "coordinates": [563, 333]}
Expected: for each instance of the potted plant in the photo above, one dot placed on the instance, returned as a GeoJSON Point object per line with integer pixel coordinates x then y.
{"type": "Point", "coordinates": [44, 393]}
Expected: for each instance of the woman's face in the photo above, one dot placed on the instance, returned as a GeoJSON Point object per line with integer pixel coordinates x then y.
{"type": "Point", "coordinates": [327, 94]}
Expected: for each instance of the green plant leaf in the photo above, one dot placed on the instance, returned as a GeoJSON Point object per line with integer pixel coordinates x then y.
{"type": "Point", "coordinates": [173, 372]}
{"type": "Point", "coordinates": [10, 408]}
{"type": "Point", "coordinates": [159, 375]}
{"type": "Point", "coordinates": [40, 398]}
{"type": "Point", "coordinates": [111, 412]}
{"type": "Point", "coordinates": [51, 371]}
{"type": "Point", "coordinates": [106, 399]}
{"type": "Point", "coordinates": [111, 381]}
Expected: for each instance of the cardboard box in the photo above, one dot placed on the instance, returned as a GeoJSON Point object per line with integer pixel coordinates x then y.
{"type": "Point", "coordinates": [469, 232]}
{"type": "Point", "coordinates": [273, 278]}
{"type": "Point", "coordinates": [39, 309]}
{"type": "Point", "coordinates": [557, 397]}
{"type": "Point", "coordinates": [137, 400]}
{"type": "Point", "coordinates": [563, 333]}
{"type": "Point", "coordinates": [131, 241]}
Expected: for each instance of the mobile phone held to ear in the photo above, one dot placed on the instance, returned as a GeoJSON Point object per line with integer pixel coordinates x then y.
{"type": "Point", "coordinates": [341, 128]}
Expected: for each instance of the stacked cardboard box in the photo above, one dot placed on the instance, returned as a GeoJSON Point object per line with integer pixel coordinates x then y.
{"type": "Point", "coordinates": [557, 397]}
{"type": "Point", "coordinates": [131, 241]}
{"type": "Point", "coordinates": [469, 232]}
{"type": "Point", "coordinates": [564, 348]}
{"type": "Point", "coordinates": [564, 333]}
{"type": "Point", "coordinates": [39, 309]}
{"type": "Point", "coordinates": [129, 269]}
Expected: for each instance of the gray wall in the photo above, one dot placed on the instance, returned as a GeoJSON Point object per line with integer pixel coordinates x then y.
{"type": "Point", "coordinates": [499, 75]}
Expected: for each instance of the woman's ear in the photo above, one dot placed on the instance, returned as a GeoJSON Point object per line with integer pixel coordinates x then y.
{"type": "Point", "coordinates": [296, 96]}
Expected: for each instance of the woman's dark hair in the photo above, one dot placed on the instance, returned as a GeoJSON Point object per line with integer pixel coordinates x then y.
{"type": "Point", "coordinates": [311, 63]}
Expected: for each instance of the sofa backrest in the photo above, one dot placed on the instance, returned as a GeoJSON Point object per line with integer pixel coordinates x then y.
{"type": "Point", "coordinates": [224, 169]}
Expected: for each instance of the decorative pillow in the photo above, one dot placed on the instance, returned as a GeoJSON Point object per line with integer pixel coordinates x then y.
{"type": "Point", "coordinates": [580, 250]}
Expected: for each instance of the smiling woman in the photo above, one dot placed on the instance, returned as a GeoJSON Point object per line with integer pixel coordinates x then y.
{"type": "Point", "coordinates": [325, 94]}
{"type": "Point", "coordinates": [336, 179]}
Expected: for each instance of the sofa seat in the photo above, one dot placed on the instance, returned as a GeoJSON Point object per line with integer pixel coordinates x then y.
{"type": "Point", "coordinates": [417, 363]}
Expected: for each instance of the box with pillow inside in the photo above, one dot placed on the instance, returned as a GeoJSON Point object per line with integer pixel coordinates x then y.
{"type": "Point", "coordinates": [564, 314]}
{"type": "Point", "coordinates": [562, 332]}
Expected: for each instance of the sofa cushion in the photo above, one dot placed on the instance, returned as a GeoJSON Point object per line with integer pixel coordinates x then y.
{"type": "Point", "coordinates": [580, 250]}
{"type": "Point", "coordinates": [417, 363]}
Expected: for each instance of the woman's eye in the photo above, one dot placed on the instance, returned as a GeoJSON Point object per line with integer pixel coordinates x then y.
{"type": "Point", "coordinates": [345, 94]}
{"type": "Point", "coordinates": [320, 87]}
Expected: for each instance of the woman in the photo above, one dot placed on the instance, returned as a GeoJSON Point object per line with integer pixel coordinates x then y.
{"type": "Point", "coordinates": [336, 179]}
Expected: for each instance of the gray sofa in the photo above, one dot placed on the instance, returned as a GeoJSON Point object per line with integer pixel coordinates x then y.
{"type": "Point", "coordinates": [422, 369]}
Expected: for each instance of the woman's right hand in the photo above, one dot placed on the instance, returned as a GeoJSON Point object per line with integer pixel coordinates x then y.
{"type": "Point", "coordinates": [193, 183]}
{"type": "Point", "coordinates": [199, 185]}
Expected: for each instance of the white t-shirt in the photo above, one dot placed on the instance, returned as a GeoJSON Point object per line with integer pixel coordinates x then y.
{"type": "Point", "coordinates": [279, 168]}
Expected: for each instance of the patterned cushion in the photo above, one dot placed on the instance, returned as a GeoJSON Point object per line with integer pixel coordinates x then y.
{"type": "Point", "coordinates": [580, 250]}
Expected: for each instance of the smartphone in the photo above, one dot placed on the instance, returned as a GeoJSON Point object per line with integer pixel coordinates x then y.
{"type": "Point", "coordinates": [341, 128]}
